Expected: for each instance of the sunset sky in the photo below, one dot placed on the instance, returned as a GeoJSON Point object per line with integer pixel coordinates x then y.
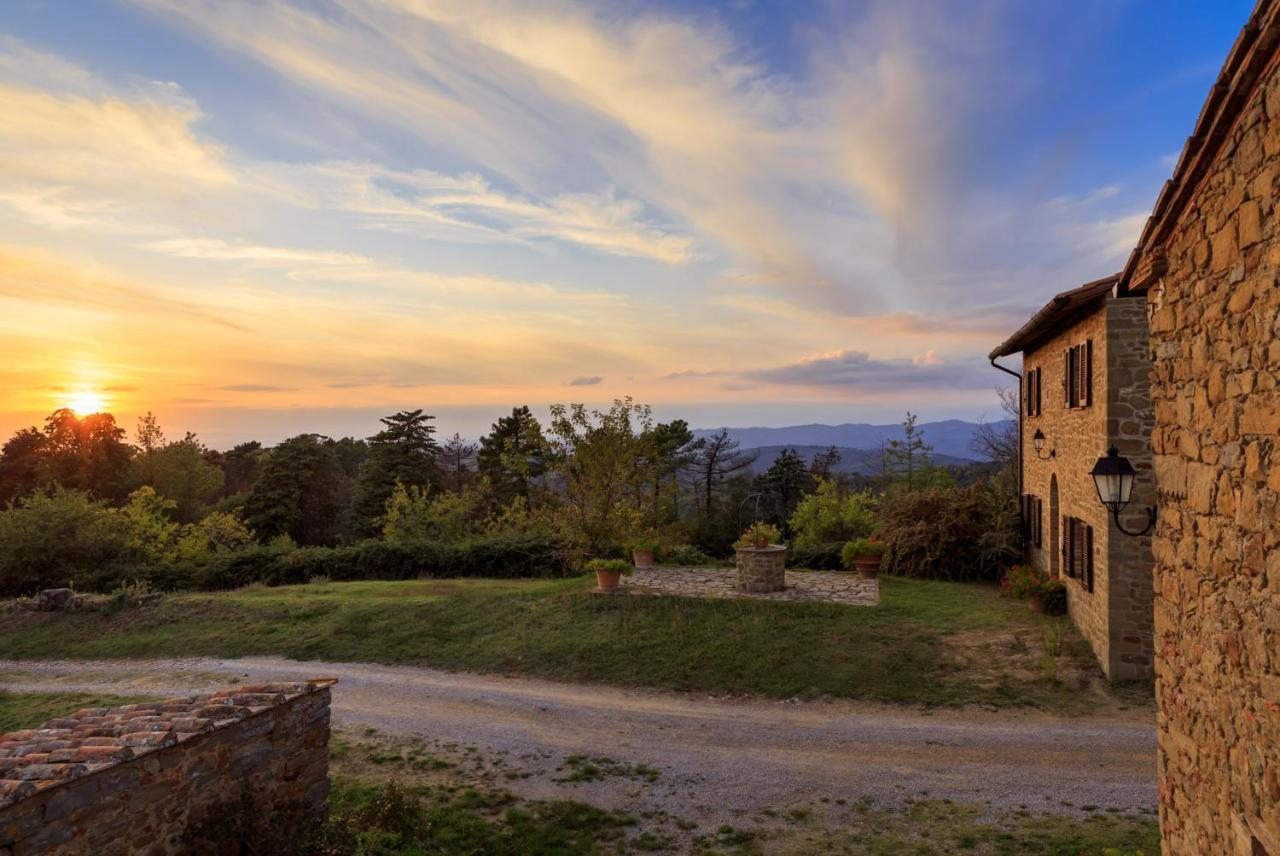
{"type": "Point", "coordinates": [258, 219]}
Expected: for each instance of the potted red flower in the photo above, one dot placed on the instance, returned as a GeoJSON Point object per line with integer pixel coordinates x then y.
{"type": "Point", "coordinates": [864, 555]}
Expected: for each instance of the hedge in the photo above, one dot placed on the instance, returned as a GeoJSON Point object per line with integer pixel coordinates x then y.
{"type": "Point", "coordinates": [378, 560]}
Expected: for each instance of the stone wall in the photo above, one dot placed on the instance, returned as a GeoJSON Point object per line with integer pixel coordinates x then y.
{"type": "Point", "coordinates": [1215, 341]}
{"type": "Point", "coordinates": [1130, 420]}
{"type": "Point", "coordinates": [169, 777]}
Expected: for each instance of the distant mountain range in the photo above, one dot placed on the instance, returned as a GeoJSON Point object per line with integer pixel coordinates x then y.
{"type": "Point", "coordinates": [859, 443]}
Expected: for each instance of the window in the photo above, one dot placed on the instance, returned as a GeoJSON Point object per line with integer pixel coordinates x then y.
{"type": "Point", "coordinates": [1077, 550]}
{"type": "Point", "coordinates": [1033, 392]}
{"type": "Point", "coordinates": [1033, 520]}
{"type": "Point", "coordinates": [1077, 377]}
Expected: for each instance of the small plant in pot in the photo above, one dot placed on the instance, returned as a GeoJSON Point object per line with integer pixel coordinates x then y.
{"type": "Point", "coordinates": [759, 535]}
{"type": "Point", "coordinates": [1041, 592]}
{"type": "Point", "coordinates": [608, 573]}
{"type": "Point", "coordinates": [642, 553]}
{"type": "Point", "coordinates": [864, 555]}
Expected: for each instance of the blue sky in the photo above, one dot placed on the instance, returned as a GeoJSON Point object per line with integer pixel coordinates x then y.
{"type": "Point", "coordinates": [259, 218]}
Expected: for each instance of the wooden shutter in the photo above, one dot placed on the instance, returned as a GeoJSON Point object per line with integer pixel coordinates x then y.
{"type": "Point", "coordinates": [1038, 380]}
{"type": "Point", "coordinates": [1039, 521]}
{"type": "Point", "coordinates": [1086, 400]}
{"type": "Point", "coordinates": [1031, 393]}
{"type": "Point", "coordinates": [1066, 546]}
{"type": "Point", "coordinates": [1087, 559]}
{"type": "Point", "coordinates": [1066, 375]}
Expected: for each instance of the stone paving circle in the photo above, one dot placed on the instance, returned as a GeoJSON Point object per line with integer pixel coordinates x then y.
{"type": "Point", "coordinates": [803, 586]}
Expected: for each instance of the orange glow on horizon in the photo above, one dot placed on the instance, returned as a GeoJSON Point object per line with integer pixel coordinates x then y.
{"type": "Point", "coordinates": [85, 402]}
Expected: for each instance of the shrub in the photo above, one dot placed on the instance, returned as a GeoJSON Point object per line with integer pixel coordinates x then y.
{"type": "Point", "coordinates": [380, 560]}
{"type": "Point", "coordinates": [57, 537]}
{"type": "Point", "coordinates": [686, 555]}
{"type": "Point", "coordinates": [820, 557]}
{"type": "Point", "coordinates": [646, 545]}
{"type": "Point", "coordinates": [748, 537]}
{"type": "Point", "coordinates": [832, 514]}
{"type": "Point", "coordinates": [953, 533]}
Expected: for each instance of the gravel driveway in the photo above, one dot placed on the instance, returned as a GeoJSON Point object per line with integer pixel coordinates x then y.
{"type": "Point", "coordinates": [717, 757]}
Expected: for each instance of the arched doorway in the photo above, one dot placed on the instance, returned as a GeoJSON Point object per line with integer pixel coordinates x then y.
{"type": "Point", "coordinates": [1054, 552]}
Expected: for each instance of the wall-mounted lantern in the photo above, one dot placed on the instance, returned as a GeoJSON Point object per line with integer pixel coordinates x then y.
{"type": "Point", "coordinates": [1037, 441]}
{"type": "Point", "coordinates": [1113, 476]}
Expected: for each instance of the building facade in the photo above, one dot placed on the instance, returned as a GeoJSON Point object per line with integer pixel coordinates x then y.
{"type": "Point", "coordinates": [1209, 265]}
{"type": "Point", "coordinates": [1085, 390]}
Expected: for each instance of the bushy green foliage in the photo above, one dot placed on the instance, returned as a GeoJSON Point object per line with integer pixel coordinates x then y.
{"type": "Point", "coordinates": [684, 555]}
{"type": "Point", "coordinates": [415, 516]}
{"type": "Point", "coordinates": [952, 533]}
{"type": "Point", "coordinates": [832, 514]}
{"type": "Point", "coordinates": [617, 566]}
{"type": "Point", "coordinates": [819, 557]}
{"type": "Point", "coordinates": [56, 537]}
{"type": "Point", "coordinates": [380, 560]}
{"type": "Point", "coordinates": [298, 493]}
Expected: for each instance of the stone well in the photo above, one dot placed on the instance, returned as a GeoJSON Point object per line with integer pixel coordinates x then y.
{"type": "Point", "coordinates": [762, 569]}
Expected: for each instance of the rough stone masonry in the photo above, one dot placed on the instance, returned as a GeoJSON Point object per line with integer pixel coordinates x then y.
{"type": "Point", "coordinates": [1209, 261]}
{"type": "Point", "coordinates": [168, 777]}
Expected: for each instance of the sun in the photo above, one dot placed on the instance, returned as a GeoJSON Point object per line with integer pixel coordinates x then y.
{"type": "Point", "coordinates": [85, 402]}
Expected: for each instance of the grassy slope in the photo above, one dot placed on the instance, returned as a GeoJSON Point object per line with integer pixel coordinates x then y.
{"type": "Point", "coordinates": [27, 710]}
{"type": "Point", "coordinates": [896, 652]}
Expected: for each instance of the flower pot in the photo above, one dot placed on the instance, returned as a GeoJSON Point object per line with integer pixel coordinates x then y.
{"type": "Point", "coordinates": [1036, 603]}
{"type": "Point", "coordinates": [761, 542]}
{"type": "Point", "coordinates": [868, 566]}
{"type": "Point", "coordinates": [643, 559]}
{"type": "Point", "coordinates": [608, 580]}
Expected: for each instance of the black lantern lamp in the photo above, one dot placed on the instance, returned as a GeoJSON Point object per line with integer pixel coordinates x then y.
{"type": "Point", "coordinates": [1037, 441]}
{"type": "Point", "coordinates": [1113, 476]}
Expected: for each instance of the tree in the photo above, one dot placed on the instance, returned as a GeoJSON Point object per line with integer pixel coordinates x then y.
{"type": "Point", "coordinates": [669, 450]}
{"type": "Point", "coordinates": [21, 465]}
{"type": "Point", "coordinates": [824, 463]}
{"type": "Point", "coordinates": [182, 473]}
{"type": "Point", "coordinates": [55, 537]}
{"type": "Point", "coordinates": [782, 486]}
{"type": "Point", "coordinates": [998, 441]}
{"type": "Point", "coordinates": [513, 455]}
{"type": "Point", "coordinates": [150, 441]}
{"type": "Point", "coordinates": [596, 455]}
{"type": "Point", "coordinates": [298, 492]}
{"type": "Point", "coordinates": [87, 454]}
{"type": "Point", "coordinates": [403, 452]}
{"type": "Point", "coordinates": [457, 459]}
{"type": "Point", "coordinates": [908, 458]}
{"type": "Point", "coordinates": [240, 467]}
{"type": "Point", "coordinates": [832, 514]}
{"type": "Point", "coordinates": [715, 459]}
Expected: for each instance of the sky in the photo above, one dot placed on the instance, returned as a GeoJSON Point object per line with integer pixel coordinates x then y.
{"type": "Point", "coordinates": [262, 218]}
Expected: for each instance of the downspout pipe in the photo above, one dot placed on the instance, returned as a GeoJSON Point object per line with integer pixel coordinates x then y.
{"type": "Point", "coordinates": [1021, 412]}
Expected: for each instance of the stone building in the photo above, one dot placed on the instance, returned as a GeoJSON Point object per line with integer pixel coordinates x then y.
{"type": "Point", "coordinates": [1084, 390]}
{"type": "Point", "coordinates": [1208, 262]}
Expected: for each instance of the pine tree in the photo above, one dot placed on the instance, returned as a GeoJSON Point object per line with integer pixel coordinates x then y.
{"type": "Point", "coordinates": [403, 452]}
{"type": "Point", "coordinates": [513, 455]}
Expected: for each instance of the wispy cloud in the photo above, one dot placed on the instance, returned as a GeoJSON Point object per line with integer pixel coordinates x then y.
{"type": "Point", "coordinates": [858, 371]}
{"type": "Point", "coordinates": [594, 380]}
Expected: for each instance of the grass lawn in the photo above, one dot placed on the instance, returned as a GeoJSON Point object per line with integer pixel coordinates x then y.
{"type": "Point", "coordinates": [929, 643]}
{"type": "Point", "coordinates": [27, 710]}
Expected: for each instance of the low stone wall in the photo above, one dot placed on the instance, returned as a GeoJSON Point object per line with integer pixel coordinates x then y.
{"type": "Point", "coordinates": [763, 569]}
{"type": "Point", "coordinates": [178, 776]}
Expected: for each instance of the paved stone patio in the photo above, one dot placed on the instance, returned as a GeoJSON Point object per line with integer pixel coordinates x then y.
{"type": "Point", "coordinates": [806, 586]}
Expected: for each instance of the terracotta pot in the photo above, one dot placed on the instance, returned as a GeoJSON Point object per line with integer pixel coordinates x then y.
{"type": "Point", "coordinates": [1035, 603]}
{"type": "Point", "coordinates": [608, 580]}
{"type": "Point", "coordinates": [761, 542]}
{"type": "Point", "coordinates": [868, 566]}
{"type": "Point", "coordinates": [642, 559]}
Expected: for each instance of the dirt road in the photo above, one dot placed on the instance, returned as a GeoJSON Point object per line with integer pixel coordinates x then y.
{"type": "Point", "coordinates": [716, 757]}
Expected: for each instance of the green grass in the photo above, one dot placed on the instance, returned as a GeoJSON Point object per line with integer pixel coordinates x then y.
{"type": "Point", "coordinates": [27, 710]}
{"type": "Point", "coordinates": [916, 647]}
